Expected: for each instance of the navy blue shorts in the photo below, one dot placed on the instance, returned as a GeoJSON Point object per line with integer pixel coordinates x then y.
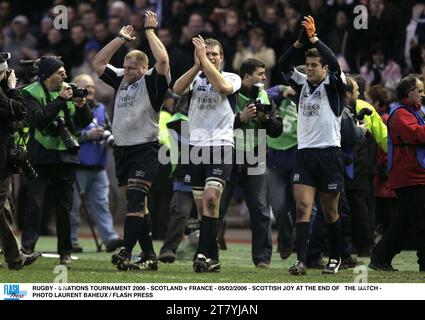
{"type": "Point", "coordinates": [136, 162]}
{"type": "Point", "coordinates": [320, 168]}
{"type": "Point", "coordinates": [214, 162]}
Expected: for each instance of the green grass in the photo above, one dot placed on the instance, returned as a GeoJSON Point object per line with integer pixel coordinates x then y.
{"type": "Point", "coordinates": [237, 267]}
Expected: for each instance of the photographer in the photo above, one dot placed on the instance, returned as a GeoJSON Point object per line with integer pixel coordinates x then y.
{"type": "Point", "coordinates": [54, 115]}
{"type": "Point", "coordinates": [92, 178]}
{"type": "Point", "coordinates": [254, 111]}
{"type": "Point", "coordinates": [12, 109]}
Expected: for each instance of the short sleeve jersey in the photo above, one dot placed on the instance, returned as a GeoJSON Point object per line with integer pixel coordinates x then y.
{"type": "Point", "coordinates": [211, 114]}
{"type": "Point", "coordinates": [137, 105]}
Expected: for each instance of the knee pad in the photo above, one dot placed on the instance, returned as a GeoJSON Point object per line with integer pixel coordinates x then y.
{"type": "Point", "coordinates": [136, 194]}
{"type": "Point", "coordinates": [198, 193]}
{"type": "Point", "coordinates": [215, 183]}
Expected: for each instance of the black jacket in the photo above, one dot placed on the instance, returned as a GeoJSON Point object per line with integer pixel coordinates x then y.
{"type": "Point", "coordinates": [12, 107]}
{"type": "Point", "coordinates": [41, 117]}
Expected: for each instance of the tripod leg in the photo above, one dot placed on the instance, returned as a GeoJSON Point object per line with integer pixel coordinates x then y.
{"type": "Point", "coordinates": [87, 216]}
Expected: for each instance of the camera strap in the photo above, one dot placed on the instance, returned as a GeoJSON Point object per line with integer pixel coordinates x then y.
{"type": "Point", "coordinates": [19, 127]}
{"type": "Point", "coordinates": [67, 115]}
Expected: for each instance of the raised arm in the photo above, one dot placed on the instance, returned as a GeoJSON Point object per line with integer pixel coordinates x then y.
{"type": "Point", "coordinates": [104, 56]}
{"type": "Point", "coordinates": [324, 50]}
{"type": "Point", "coordinates": [181, 86]}
{"type": "Point", "coordinates": [213, 75]}
{"type": "Point", "coordinates": [159, 52]}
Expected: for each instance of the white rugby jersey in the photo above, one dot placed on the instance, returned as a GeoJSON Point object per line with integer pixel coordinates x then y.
{"type": "Point", "coordinates": [136, 108]}
{"type": "Point", "coordinates": [317, 126]}
{"type": "Point", "coordinates": [211, 114]}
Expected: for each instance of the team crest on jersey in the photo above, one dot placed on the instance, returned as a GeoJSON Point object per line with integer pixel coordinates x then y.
{"type": "Point", "coordinates": [202, 88]}
{"type": "Point", "coordinates": [134, 85]}
{"type": "Point", "coordinates": [316, 94]}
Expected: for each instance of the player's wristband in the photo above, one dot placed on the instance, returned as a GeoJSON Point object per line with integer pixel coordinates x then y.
{"type": "Point", "coordinates": [122, 37]}
{"type": "Point", "coordinates": [148, 28]}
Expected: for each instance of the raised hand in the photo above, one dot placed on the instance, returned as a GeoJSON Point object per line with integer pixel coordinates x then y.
{"type": "Point", "coordinates": [126, 32]}
{"type": "Point", "coordinates": [150, 19]}
{"type": "Point", "coordinates": [303, 38]}
{"type": "Point", "coordinates": [199, 44]}
{"type": "Point", "coordinates": [11, 79]}
{"type": "Point", "coordinates": [196, 60]}
{"type": "Point", "coordinates": [310, 27]}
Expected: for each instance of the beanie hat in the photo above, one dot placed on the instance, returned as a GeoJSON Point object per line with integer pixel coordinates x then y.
{"type": "Point", "coordinates": [48, 66]}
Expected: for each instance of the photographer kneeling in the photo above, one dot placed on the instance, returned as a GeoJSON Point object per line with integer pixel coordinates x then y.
{"type": "Point", "coordinates": [12, 109]}
{"type": "Point", "coordinates": [55, 113]}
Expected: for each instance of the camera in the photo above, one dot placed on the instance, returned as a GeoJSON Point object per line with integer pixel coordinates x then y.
{"type": "Point", "coordinates": [78, 92]}
{"type": "Point", "coordinates": [68, 139]}
{"type": "Point", "coordinates": [108, 138]}
{"type": "Point", "coordinates": [4, 56]}
{"type": "Point", "coordinates": [30, 70]}
{"type": "Point", "coordinates": [253, 96]}
{"type": "Point", "coordinates": [18, 158]}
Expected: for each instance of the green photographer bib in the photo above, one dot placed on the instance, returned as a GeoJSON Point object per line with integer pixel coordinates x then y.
{"type": "Point", "coordinates": [49, 142]}
{"type": "Point", "coordinates": [247, 138]}
{"type": "Point", "coordinates": [288, 139]}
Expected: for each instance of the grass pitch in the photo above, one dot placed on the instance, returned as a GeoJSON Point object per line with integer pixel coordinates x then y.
{"type": "Point", "coordinates": [237, 267]}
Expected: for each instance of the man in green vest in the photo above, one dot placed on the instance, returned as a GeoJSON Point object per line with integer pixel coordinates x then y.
{"type": "Point", "coordinates": [55, 115]}
{"type": "Point", "coordinates": [256, 117]}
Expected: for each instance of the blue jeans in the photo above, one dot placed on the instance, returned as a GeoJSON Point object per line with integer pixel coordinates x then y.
{"type": "Point", "coordinates": [281, 164]}
{"type": "Point", "coordinates": [283, 205]}
{"type": "Point", "coordinates": [255, 189]}
{"type": "Point", "coordinates": [95, 184]}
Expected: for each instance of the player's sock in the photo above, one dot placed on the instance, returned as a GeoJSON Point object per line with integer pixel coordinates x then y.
{"type": "Point", "coordinates": [302, 236]}
{"type": "Point", "coordinates": [145, 238]}
{"type": "Point", "coordinates": [334, 233]}
{"type": "Point", "coordinates": [207, 234]}
{"type": "Point", "coordinates": [132, 228]}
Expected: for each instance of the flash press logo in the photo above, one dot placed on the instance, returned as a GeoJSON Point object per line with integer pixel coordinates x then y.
{"type": "Point", "coordinates": [13, 292]}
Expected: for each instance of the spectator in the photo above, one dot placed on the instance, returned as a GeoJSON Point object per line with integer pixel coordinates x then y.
{"type": "Point", "coordinates": [385, 198]}
{"type": "Point", "coordinates": [406, 176]}
{"type": "Point", "coordinates": [103, 92]}
{"type": "Point", "coordinates": [78, 43]}
{"type": "Point", "coordinates": [179, 61]}
{"type": "Point", "coordinates": [232, 41]}
{"type": "Point", "coordinates": [418, 12]}
{"type": "Point", "coordinates": [340, 39]}
{"type": "Point", "coordinates": [380, 69]}
{"type": "Point", "coordinates": [120, 9]}
{"type": "Point", "coordinates": [256, 49]}
{"type": "Point", "coordinates": [91, 177]}
{"type": "Point", "coordinates": [20, 43]}
{"type": "Point", "coordinates": [5, 12]}
{"type": "Point", "coordinates": [42, 40]}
